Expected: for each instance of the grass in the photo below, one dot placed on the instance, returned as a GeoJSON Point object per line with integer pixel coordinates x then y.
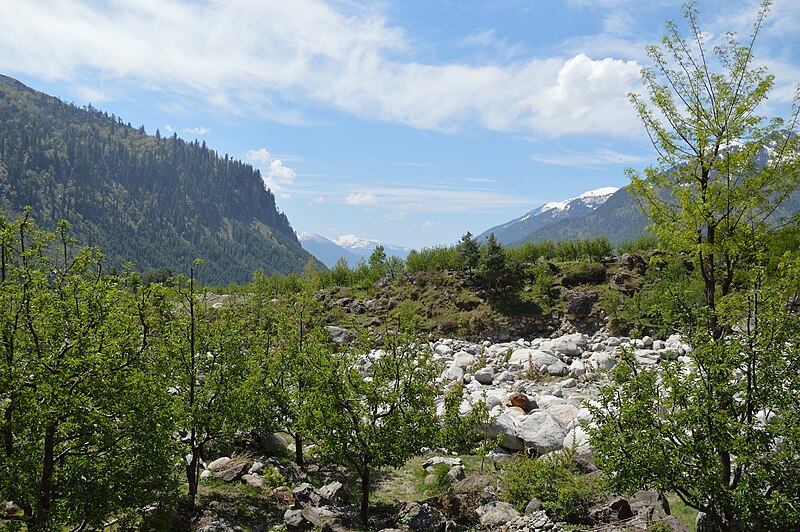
{"type": "Point", "coordinates": [686, 514]}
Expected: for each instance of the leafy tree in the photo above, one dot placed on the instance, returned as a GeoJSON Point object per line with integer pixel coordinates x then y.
{"type": "Point", "coordinates": [469, 251]}
{"type": "Point", "coordinates": [716, 431]}
{"type": "Point", "coordinates": [492, 263]}
{"type": "Point", "coordinates": [372, 412]}
{"type": "Point", "coordinates": [207, 347]}
{"type": "Point", "coordinates": [85, 427]}
{"type": "Point", "coordinates": [711, 192]}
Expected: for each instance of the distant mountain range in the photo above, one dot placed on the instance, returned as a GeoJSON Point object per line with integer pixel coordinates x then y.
{"type": "Point", "coordinates": [350, 247]}
{"type": "Point", "coordinates": [558, 220]}
{"type": "Point", "coordinates": [159, 202]}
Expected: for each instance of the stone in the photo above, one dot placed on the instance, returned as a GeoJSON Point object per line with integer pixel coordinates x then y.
{"type": "Point", "coordinates": [456, 473]}
{"type": "Point", "coordinates": [294, 521]}
{"type": "Point", "coordinates": [577, 439]}
{"type": "Point", "coordinates": [270, 444]}
{"type": "Point", "coordinates": [316, 515]}
{"type": "Point", "coordinates": [506, 425]}
{"type": "Point", "coordinates": [580, 302]}
{"type": "Point", "coordinates": [219, 526]}
{"type": "Point", "coordinates": [305, 494]}
{"type": "Point", "coordinates": [253, 481]}
{"type": "Point", "coordinates": [463, 359]}
{"type": "Point", "coordinates": [333, 493]}
{"type": "Point", "coordinates": [602, 361]}
{"type": "Point", "coordinates": [522, 401]}
{"type": "Point", "coordinates": [496, 513]}
{"type": "Point", "coordinates": [339, 335]}
{"type": "Point", "coordinates": [620, 508]}
{"type": "Point", "coordinates": [234, 472]}
{"type": "Point", "coordinates": [218, 464]}
{"type": "Point", "coordinates": [485, 375]}
{"type": "Point", "coordinates": [524, 358]}
{"type": "Point", "coordinates": [421, 517]}
{"type": "Point", "coordinates": [453, 373]}
{"type": "Point", "coordinates": [533, 506]}
{"type": "Point", "coordinates": [541, 431]}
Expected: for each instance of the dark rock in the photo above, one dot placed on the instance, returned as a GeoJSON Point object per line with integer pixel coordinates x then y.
{"type": "Point", "coordinates": [533, 506]}
{"type": "Point", "coordinates": [621, 508]}
{"type": "Point", "coordinates": [338, 334]}
{"type": "Point", "coordinates": [421, 517]}
{"type": "Point", "coordinates": [523, 401]}
{"type": "Point", "coordinates": [305, 495]}
{"type": "Point", "coordinates": [234, 473]}
{"type": "Point", "coordinates": [580, 302]}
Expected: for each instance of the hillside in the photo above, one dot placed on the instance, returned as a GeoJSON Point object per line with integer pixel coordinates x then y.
{"type": "Point", "coordinates": [155, 201]}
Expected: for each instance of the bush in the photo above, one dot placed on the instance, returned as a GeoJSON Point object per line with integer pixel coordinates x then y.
{"type": "Point", "coordinates": [583, 273]}
{"type": "Point", "coordinates": [565, 495]}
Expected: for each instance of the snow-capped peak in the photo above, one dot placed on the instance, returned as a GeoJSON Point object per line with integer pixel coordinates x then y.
{"type": "Point", "coordinates": [591, 198]}
{"type": "Point", "coordinates": [355, 242]}
{"type": "Point", "coordinates": [305, 236]}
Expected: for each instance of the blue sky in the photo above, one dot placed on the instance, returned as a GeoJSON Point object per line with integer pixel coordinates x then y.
{"type": "Point", "coordinates": [409, 121]}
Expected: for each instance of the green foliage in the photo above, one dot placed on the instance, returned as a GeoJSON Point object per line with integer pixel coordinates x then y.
{"type": "Point", "coordinates": [716, 432]}
{"type": "Point", "coordinates": [469, 251]}
{"type": "Point", "coordinates": [371, 412]}
{"type": "Point", "coordinates": [646, 242]}
{"type": "Point", "coordinates": [578, 273]}
{"type": "Point", "coordinates": [562, 250]}
{"type": "Point", "coordinates": [463, 433]}
{"type": "Point", "coordinates": [565, 495]}
{"type": "Point", "coordinates": [85, 419]}
{"type": "Point", "coordinates": [435, 258]}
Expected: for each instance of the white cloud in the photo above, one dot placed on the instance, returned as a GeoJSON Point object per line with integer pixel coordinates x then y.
{"type": "Point", "coordinates": [200, 131]}
{"type": "Point", "coordinates": [361, 198]}
{"type": "Point", "coordinates": [260, 155]}
{"type": "Point", "coordinates": [317, 200]}
{"type": "Point", "coordinates": [480, 38]}
{"type": "Point", "coordinates": [280, 174]}
{"type": "Point", "coordinates": [273, 58]}
{"type": "Point", "coordinates": [400, 214]}
{"type": "Point", "coordinates": [168, 128]}
{"type": "Point", "coordinates": [429, 224]}
{"type": "Point", "coordinates": [594, 158]}
{"type": "Point", "coordinates": [479, 180]}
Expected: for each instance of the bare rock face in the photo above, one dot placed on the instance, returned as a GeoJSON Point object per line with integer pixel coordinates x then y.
{"type": "Point", "coordinates": [580, 302]}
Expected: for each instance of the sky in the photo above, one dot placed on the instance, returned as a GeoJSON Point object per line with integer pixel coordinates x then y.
{"type": "Point", "coordinates": [410, 122]}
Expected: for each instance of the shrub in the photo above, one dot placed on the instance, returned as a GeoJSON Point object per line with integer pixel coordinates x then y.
{"type": "Point", "coordinates": [565, 495]}
{"type": "Point", "coordinates": [583, 273]}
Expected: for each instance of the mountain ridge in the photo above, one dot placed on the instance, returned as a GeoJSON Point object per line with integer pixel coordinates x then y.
{"type": "Point", "coordinates": [159, 202]}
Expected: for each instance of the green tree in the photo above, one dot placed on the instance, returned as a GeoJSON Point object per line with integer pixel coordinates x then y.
{"type": "Point", "coordinates": [85, 422]}
{"type": "Point", "coordinates": [469, 251]}
{"type": "Point", "coordinates": [716, 431]}
{"type": "Point", "coordinates": [207, 376]}
{"type": "Point", "coordinates": [372, 412]}
{"type": "Point", "coordinates": [492, 263]}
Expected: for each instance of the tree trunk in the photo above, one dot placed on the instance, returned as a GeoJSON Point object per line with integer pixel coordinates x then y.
{"type": "Point", "coordinates": [364, 512]}
{"type": "Point", "coordinates": [191, 473]}
{"type": "Point", "coordinates": [298, 450]}
{"type": "Point", "coordinates": [40, 515]}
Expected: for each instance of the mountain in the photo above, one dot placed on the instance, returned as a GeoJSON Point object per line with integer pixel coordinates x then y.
{"type": "Point", "coordinates": [364, 247]}
{"type": "Point", "coordinates": [326, 251]}
{"type": "Point", "coordinates": [534, 221]}
{"type": "Point", "coordinates": [151, 200]}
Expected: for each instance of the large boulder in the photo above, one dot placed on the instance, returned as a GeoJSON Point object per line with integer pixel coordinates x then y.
{"type": "Point", "coordinates": [496, 513]}
{"type": "Point", "coordinates": [339, 335]}
{"type": "Point", "coordinates": [506, 425]}
{"type": "Point", "coordinates": [527, 358]}
{"type": "Point", "coordinates": [421, 517]}
{"type": "Point", "coordinates": [580, 302]}
{"type": "Point", "coordinates": [541, 431]}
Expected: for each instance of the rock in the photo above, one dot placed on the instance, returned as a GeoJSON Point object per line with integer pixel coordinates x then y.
{"type": "Point", "coordinates": [577, 439]}
{"type": "Point", "coordinates": [421, 517]}
{"type": "Point", "coordinates": [253, 481]}
{"type": "Point", "coordinates": [505, 425]}
{"type": "Point", "coordinates": [569, 383]}
{"type": "Point", "coordinates": [333, 493]}
{"type": "Point", "coordinates": [431, 480]}
{"type": "Point", "coordinates": [456, 473]}
{"type": "Point", "coordinates": [256, 467]}
{"type": "Point", "coordinates": [436, 460]}
{"type": "Point", "coordinates": [270, 444]}
{"type": "Point", "coordinates": [443, 350]}
{"type": "Point", "coordinates": [294, 521]}
{"type": "Point", "coordinates": [533, 506]}
{"type": "Point", "coordinates": [205, 473]}
{"type": "Point", "coordinates": [453, 373]}
{"type": "Point", "coordinates": [496, 513]}
{"type": "Point", "coordinates": [234, 472]}
{"type": "Point", "coordinates": [463, 359]}
{"type": "Point", "coordinates": [219, 526]}
{"type": "Point", "coordinates": [334, 525]}
{"type": "Point", "coordinates": [474, 483]}
{"type": "Point", "coordinates": [580, 302]}
{"type": "Point", "coordinates": [316, 515]}
{"type": "Point", "coordinates": [218, 464]}
{"type": "Point", "coordinates": [485, 375]}
{"type": "Point", "coordinates": [602, 361]}
{"type": "Point", "coordinates": [563, 412]}
{"type": "Point", "coordinates": [541, 431]}
{"type": "Point", "coordinates": [305, 495]}
{"type": "Point", "coordinates": [526, 358]}
{"type": "Point", "coordinates": [522, 401]}
{"type": "Point", "coordinates": [339, 335]}
{"type": "Point", "coordinates": [620, 508]}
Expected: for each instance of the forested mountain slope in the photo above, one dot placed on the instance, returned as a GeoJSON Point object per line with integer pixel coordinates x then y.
{"type": "Point", "coordinates": [151, 200]}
